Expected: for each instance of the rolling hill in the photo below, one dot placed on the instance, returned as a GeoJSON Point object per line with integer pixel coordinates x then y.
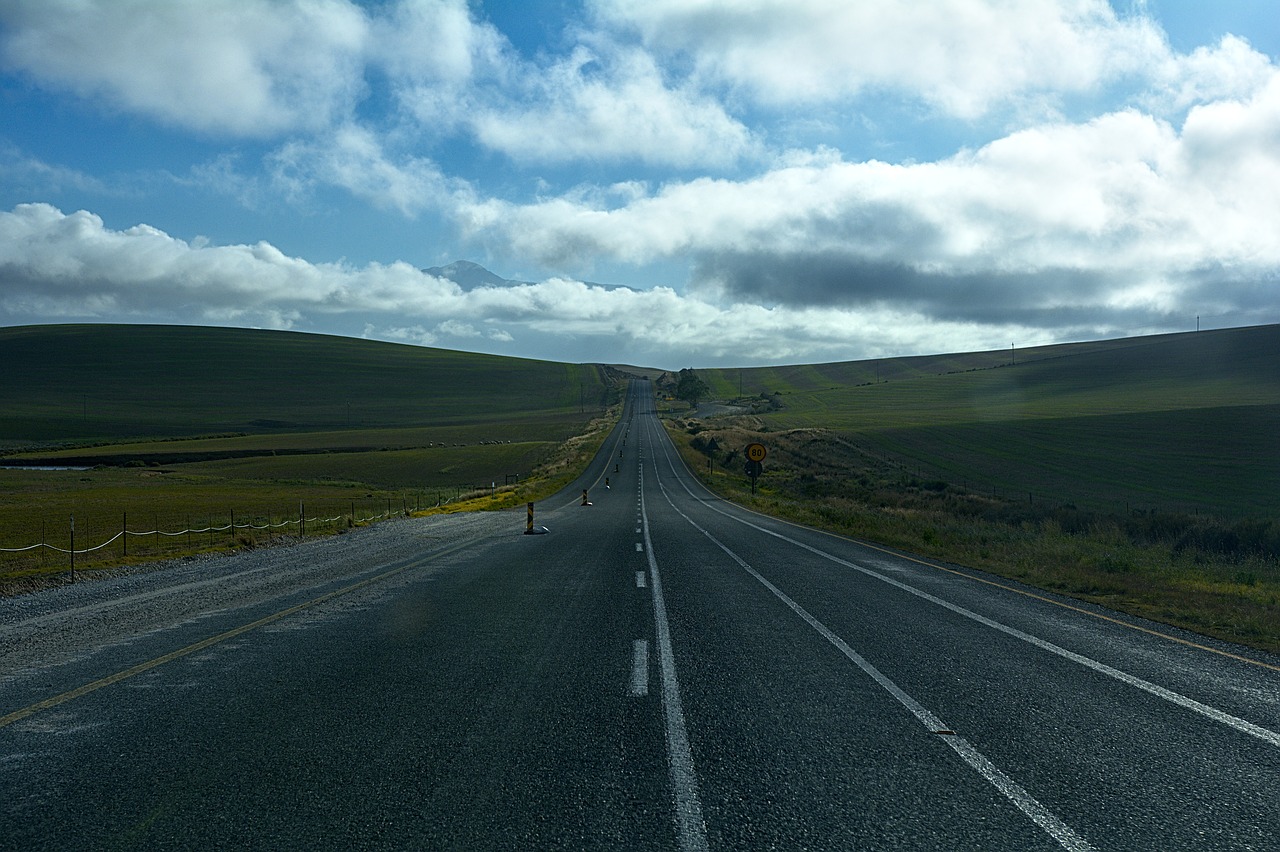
{"type": "Point", "coordinates": [1183, 421]}
{"type": "Point", "coordinates": [85, 383]}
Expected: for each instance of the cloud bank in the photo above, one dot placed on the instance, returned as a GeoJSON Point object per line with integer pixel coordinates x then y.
{"type": "Point", "coordinates": [727, 140]}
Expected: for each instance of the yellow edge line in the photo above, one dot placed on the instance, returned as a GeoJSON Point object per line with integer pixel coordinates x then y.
{"type": "Point", "coordinates": [1017, 591]}
{"type": "Point", "coordinates": [94, 686]}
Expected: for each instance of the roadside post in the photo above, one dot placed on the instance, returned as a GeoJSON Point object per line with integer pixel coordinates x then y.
{"type": "Point", "coordinates": [529, 528]}
{"type": "Point", "coordinates": [584, 498]}
{"type": "Point", "coordinates": [755, 463]}
{"type": "Point", "coordinates": [73, 548]}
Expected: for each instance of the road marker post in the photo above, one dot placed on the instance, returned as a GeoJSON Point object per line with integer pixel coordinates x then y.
{"type": "Point", "coordinates": [529, 528]}
{"type": "Point", "coordinates": [584, 498]}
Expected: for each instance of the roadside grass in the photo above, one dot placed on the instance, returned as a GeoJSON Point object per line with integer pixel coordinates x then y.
{"type": "Point", "coordinates": [343, 489]}
{"type": "Point", "coordinates": [1165, 568]}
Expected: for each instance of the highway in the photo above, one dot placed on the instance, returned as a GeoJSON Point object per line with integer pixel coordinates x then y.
{"type": "Point", "coordinates": [661, 670]}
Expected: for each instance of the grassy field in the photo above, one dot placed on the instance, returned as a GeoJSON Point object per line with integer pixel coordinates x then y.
{"type": "Point", "coordinates": [1141, 473]}
{"type": "Point", "coordinates": [189, 427]}
{"type": "Point", "coordinates": [86, 383]}
{"type": "Point", "coordinates": [1188, 422]}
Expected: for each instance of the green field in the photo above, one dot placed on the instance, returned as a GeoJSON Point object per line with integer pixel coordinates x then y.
{"type": "Point", "coordinates": [1143, 474]}
{"type": "Point", "coordinates": [85, 383]}
{"type": "Point", "coordinates": [1188, 422]}
{"type": "Point", "coordinates": [188, 427]}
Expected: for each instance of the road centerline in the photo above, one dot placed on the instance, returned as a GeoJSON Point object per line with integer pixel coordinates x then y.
{"type": "Point", "coordinates": [691, 830]}
{"type": "Point", "coordinates": [639, 686]}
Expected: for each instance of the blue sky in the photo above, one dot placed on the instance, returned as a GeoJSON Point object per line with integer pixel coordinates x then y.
{"type": "Point", "coordinates": [679, 182]}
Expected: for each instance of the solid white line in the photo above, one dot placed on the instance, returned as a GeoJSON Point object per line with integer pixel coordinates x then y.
{"type": "Point", "coordinates": [1024, 801]}
{"type": "Point", "coordinates": [690, 829]}
{"type": "Point", "coordinates": [639, 687]}
{"type": "Point", "coordinates": [1242, 725]}
{"type": "Point", "coordinates": [640, 584]}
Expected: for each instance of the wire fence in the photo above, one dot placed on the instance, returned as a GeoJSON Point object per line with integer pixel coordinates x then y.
{"type": "Point", "coordinates": [80, 539]}
{"type": "Point", "coordinates": [59, 537]}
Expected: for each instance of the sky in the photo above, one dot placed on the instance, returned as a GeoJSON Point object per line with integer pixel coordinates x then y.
{"type": "Point", "coordinates": [676, 182]}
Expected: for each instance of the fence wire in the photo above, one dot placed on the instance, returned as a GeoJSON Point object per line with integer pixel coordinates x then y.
{"type": "Point", "coordinates": [208, 529]}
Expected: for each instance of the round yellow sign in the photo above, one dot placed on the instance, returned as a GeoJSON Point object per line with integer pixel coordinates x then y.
{"type": "Point", "coordinates": [756, 452]}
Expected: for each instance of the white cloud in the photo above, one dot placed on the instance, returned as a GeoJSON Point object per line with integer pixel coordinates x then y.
{"type": "Point", "coordinates": [238, 67]}
{"type": "Point", "coordinates": [603, 103]}
{"type": "Point", "coordinates": [457, 328]}
{"type": "Point", "coordinates": [71, 266]}
{"type": "Point", "coordinates": [417, 335]}
{"type": "Point", "coordinates": [1124, 211]}
{"type": "Point", "coordinates": [439, 60]}
{"type": "Point", "coordinates": [30, 174]}
{"type": "Point", "coordinates": [353, 158]}
{"type": "Point", "coordinates": [962, 56]}
{"type": "Point", "coordinates": [1228, 70]}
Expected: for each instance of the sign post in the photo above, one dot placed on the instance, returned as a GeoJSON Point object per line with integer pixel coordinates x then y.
{"type": "Point", "coordinates": [755, 457]}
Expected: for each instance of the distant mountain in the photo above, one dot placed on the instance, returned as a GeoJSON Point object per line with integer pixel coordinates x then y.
{"type": "Point", "coordinates": [468, 276]}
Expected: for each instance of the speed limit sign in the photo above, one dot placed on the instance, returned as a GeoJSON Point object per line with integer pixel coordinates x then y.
{"type": "Point", "coordinates": [756, 452]}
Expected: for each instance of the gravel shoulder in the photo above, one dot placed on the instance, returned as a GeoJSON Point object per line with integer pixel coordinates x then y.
{"type": "Point", "coordinates": [63, 623]}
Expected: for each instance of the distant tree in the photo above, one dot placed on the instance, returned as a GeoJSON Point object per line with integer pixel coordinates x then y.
{"type": "Point", "coordinates": [690, 388]}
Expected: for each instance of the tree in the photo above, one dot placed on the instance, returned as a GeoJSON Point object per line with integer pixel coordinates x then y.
{"type": "Point", "coordinates": [690, 388]}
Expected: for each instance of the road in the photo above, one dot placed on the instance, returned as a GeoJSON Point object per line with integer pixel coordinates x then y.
{"type": "Point", "coordinates": [661, 670]}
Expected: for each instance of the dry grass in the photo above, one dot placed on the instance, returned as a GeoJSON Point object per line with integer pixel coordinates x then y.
{"type": "Point", "coordinates": [1150, 565]}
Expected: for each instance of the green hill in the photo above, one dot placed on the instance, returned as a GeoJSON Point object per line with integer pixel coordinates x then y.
{"type": "Point", "coordinates": [81, 383]}
{"type": "Point", "coordinates": [1185, 421]}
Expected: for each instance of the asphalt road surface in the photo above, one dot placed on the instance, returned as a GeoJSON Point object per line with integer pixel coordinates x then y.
{"type": "Point", "coordinates": [661, 670]}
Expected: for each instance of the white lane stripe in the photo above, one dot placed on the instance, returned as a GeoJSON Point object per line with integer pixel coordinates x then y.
{"type": "Point", "coordinates": [639, 686]}
{"type": "Point", "coordinates": [639, 547]}
{"type": "Point", "coordinates": [690, 829]}
{"type": "Point", "coordinates": [1021, 799]}
{"type": "Point", "coordinates": [1244, 726]}
{"type": "Point", "coordinates": [640, 580]}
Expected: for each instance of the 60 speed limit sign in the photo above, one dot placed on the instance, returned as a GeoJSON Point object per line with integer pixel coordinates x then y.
{"type": "Point", "coordinates": [756, 452]}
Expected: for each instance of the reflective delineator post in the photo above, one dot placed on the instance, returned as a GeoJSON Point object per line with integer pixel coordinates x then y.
{"type": "Point", "coordinates": [584, 498]}
{"type": "Point", "coordinates": [529, 528]}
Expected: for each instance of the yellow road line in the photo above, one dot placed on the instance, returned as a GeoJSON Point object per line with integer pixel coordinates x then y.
{"type": "Point", "coordinates": [94, 686]}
